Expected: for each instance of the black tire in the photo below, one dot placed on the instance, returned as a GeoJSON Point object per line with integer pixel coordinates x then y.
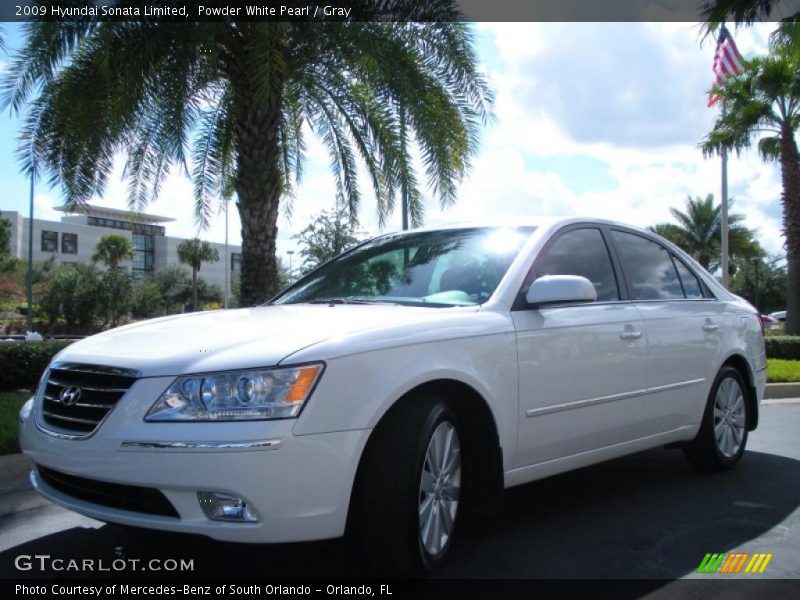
{"type": "Point", "coordinates": [385, 512]}
{"type": "Point", "coordinates": [707, 453]}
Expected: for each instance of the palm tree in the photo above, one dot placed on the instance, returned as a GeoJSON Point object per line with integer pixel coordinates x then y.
{"type": "Point", "coordinates": [233, 103]}
{"type": "Point", "coordinates": [763, 104]}
{"type": "Point", "coordinates": [194, 253]}
{"type": "Point", "coordinates": [698, 232]}
{"type": "Point", "coordinates": [786, 36]}
{"type": "Point", "coordinates": [742, 11]}
{"type": "Point", "coordinates": [112, 250]}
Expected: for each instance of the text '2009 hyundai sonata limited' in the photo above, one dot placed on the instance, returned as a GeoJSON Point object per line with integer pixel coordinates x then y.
{"type": "Point", "coordinates": [413, 377]}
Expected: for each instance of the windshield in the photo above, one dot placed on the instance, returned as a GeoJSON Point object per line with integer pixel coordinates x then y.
{"type": "Point", "coordinates": [455, 267]}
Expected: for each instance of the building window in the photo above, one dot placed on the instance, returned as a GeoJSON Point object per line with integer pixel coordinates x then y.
{"type": "Point", "coordinates": [49, 241]}
{"type": "Point", "coordinates": [236, 262]}
{"type": "Point", "coordinates": [69, 243]}
{"type": "Point", "coordinates": [143, 228]}
{"type": "Point", "coordinates": [143, 252]}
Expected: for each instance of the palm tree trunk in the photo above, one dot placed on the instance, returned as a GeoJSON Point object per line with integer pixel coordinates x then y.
{"type": "Point", "coordinates": [790, 174]}
{"type": "Point", "coordinates": [259, 186]}
{"type": "Point", "coordinates": [194, 289]}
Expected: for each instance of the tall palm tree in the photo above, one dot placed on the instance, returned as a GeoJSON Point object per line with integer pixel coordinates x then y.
{"type": "Point", "coordinates": [742, 11]}
{"type": "Point", "coordinates": [786, 35]}
{"type": "Point", "coordinates": [763, 104]}
{"type": "Point", "coordinates": [112, 250]}
{"type": "Point", "coordinates": [235, 101]}
{"type": "Point", "coordinates": [698, 231]}
{"type": "Point", "coordinates": [194, 253]}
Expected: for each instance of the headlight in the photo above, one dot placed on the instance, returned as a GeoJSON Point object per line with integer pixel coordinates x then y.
{"type": "Point", "coordinates": [237, 395]}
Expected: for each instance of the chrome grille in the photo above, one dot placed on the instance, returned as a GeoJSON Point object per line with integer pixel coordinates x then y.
{"type": "Point", "coordinates": [77, 398]}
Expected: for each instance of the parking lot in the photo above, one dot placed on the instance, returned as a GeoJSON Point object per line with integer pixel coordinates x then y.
{"type": "Point", "coordinates": [646, 516]}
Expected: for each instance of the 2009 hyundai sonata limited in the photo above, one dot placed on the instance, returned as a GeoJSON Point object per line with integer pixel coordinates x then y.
{"type": "Point", "coordinates": [414, 376]}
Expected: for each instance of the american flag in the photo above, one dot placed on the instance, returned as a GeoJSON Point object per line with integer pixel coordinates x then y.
{"type": "Point", "coordinates": [727, 62]}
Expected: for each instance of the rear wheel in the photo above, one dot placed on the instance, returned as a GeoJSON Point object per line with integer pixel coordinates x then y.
{"type": "Point", "coordinates": [408, 492]}
{"type": "Point", "coordinates": [721, 441]}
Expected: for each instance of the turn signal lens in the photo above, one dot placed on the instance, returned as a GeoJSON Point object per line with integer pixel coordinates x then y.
{"type": "Point", "coordinates": [303, 384]}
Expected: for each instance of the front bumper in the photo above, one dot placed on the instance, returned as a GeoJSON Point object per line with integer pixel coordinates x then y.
{"type": "Point", "coordinates": [299, 485]}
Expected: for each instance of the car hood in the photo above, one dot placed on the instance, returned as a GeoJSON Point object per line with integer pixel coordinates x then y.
{"type": "Point", "coordinates": [234, 339]}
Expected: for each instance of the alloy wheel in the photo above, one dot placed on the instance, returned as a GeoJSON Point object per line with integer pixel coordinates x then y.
{"type": "Point", "coordinates": [439, 489]}
{"type": "Point", "coordinates": [729, 417]}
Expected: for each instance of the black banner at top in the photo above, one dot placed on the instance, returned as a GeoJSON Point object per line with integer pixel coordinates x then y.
{"type": "Point", "coordinates": [367, 10]}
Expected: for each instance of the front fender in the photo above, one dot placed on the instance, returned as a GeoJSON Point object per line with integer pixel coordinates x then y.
{"type": "Point", "coordinates": [357, 390]}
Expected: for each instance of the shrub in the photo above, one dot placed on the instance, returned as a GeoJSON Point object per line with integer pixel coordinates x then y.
{"type": "Point", "coordinates": [783, 346]}
{"type": "Point", "coordinates": [147, 301]}
{"type": "Point", "coordinates": [117, 285]}
{"type": "Point", "coordinates": [24, 363]}
{"type": "Point", "coordinates": [73, 294]}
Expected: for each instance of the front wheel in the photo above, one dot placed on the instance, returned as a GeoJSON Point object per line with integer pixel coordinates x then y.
{"type": "Point", "coordinates": [720, 443]}
{"type": "Point", "coordinates": [408, 491]}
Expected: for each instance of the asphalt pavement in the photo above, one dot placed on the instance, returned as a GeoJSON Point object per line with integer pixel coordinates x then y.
{"type": "Point", "coordinates": [648, 516]}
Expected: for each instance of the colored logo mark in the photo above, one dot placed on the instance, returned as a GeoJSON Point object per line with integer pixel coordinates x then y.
{"type": "Point", "coordinates": [734, 562]}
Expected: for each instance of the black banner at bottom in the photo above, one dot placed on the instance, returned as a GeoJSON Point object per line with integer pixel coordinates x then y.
{"type": "Point", "coordinates": [705, 589]}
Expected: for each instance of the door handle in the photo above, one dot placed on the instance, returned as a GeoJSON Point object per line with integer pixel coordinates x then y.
{"type": "Point", "coordinates": [709, 327]}
{"type": "Point", "coordinates": [630, 335]}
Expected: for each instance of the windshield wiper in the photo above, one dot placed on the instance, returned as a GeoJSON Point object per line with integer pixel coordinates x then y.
{"type": "Point", "coordinates": [337, 300]}
{"type": "Point", "coordinates": [348, 300]}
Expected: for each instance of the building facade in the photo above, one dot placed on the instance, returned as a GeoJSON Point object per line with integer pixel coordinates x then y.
{"type": "Point", "coordinates": [74, 238]}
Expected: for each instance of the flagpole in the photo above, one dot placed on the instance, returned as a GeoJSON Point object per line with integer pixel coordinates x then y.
{"type": "Point", "coordinates": [227, 260]}
{"type": "Point", "coordinates": [724, 221]}
{"type": "Point", "coordinates": [728, 62]}
{"type": "Point", "coordinates": [30, 258]}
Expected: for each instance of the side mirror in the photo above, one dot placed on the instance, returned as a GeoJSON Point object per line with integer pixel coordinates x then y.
{"type": "Point", "coordinates": [551, 289]}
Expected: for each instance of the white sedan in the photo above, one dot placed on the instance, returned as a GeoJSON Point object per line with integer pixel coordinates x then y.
{"type": "Point", "coordinates": [415, 376]}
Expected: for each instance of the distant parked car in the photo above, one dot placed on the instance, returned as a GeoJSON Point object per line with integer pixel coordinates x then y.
{"type": "Point", "coordinates": [417, 374]}
{"type": "Point", "coordinates": [779, 316]}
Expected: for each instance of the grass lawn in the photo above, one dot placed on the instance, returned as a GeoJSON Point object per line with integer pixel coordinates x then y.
{"type": "Point", "coordinates": [782, 371]}
{"type": "Point", "coordinates": [10, 403]}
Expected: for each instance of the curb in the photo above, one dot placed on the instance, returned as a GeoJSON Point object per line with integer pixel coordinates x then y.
{"type": "Point", "coordinates": [780, 402]}
{"type": "Point", "coordinates": [782, 390]}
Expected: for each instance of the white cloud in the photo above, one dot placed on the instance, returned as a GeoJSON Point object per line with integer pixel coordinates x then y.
{"type": "Point", "coordinates": [630, 95]}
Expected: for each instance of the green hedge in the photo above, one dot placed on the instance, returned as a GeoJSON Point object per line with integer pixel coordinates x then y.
{"type": "Point", "coordinates": [22, 364]}
{"type": "Point", "coordinates": [783, 346]}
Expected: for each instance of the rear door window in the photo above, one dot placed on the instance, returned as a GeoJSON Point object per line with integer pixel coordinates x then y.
{"type": "Point", "coordinates": [648, 268]}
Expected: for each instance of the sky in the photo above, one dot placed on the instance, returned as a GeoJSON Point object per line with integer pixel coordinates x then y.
{"type": "Point", "coordinates": [592, 119]}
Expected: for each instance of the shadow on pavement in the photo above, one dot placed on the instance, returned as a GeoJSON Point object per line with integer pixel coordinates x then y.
{"type": "Point", "coordinates": [648, 515]}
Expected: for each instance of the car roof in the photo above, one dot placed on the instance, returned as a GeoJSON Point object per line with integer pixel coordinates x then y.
{"type": "Point", "coordinates": [541, 223]}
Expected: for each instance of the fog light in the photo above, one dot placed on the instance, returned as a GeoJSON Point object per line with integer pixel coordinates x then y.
{"type": "Point", "coordinates": [226, 507]}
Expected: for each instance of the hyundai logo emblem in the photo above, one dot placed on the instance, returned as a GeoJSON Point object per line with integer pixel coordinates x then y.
{"type": "Point", "coordinates": [70, 395]}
